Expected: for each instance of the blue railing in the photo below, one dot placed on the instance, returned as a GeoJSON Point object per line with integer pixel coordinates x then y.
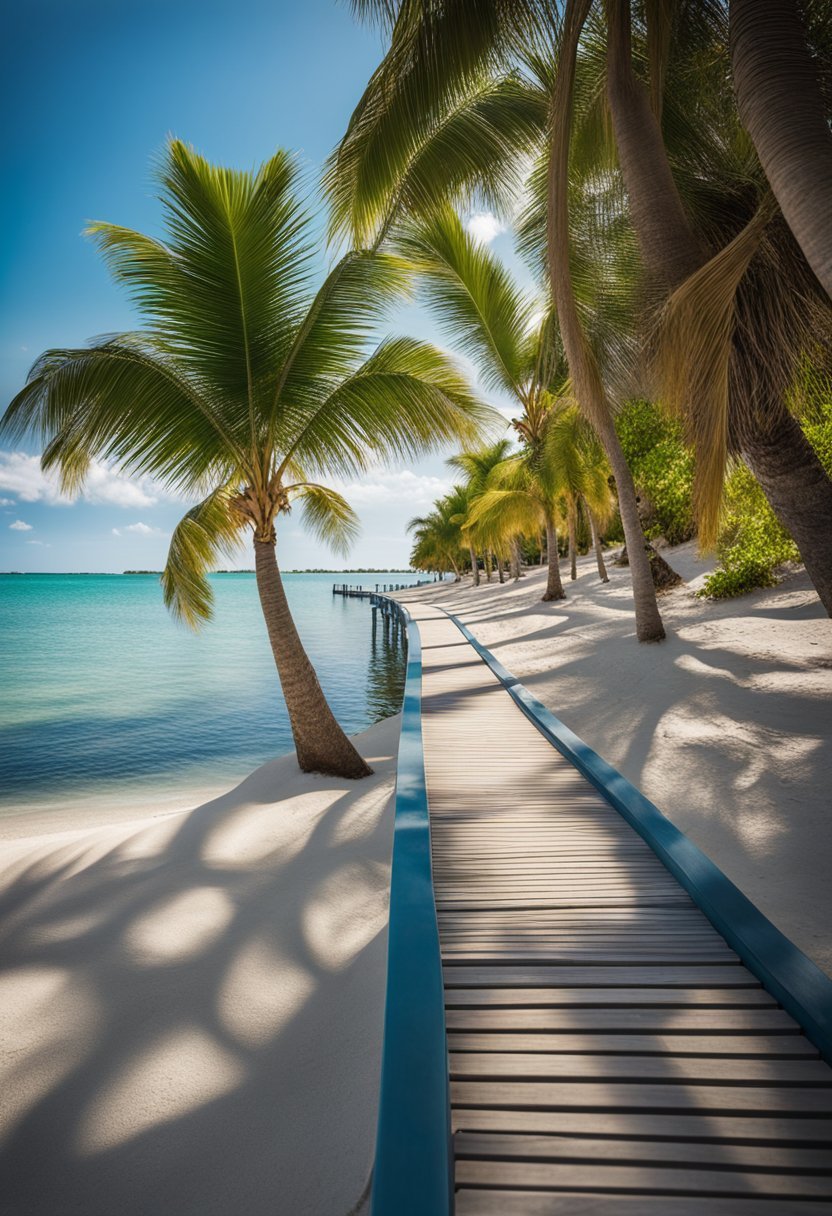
{"type": "Point", "coordinates": [413, 1169]}
{"type": "Point", "coordinates": [783, 969]}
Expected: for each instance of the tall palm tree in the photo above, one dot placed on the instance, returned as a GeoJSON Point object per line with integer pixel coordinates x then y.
{"type": "Point", "coordinates": [476, 467]}
{"type": "Point", "coordinates": [744, 310]}
{"type": "Point", "coordinates": [245, 386]}
{"type": "Point", "coordinates": [484, 312]}
{"type": "Point", "coordinates": [418, 136]}
{"type": "Point", "coordinates": [781, 103]}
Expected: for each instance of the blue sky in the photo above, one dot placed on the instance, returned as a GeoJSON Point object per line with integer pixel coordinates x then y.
{"type": "Point", "coordinates": [92, 88]}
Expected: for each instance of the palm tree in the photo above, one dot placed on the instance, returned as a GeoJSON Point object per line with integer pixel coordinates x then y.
{"type": "Point", "coordinates": [419, 136]}
{"type": "Point", "coordinates": [440, 542]}
{"type": "Point", "coordinates": [782, 105]}
{"type": "Point", "coordinates": [475, 300]}
{"type": "Point", "coordinates": [578, 469]}
{"type": "Point", "coordinates": [476, 467]}
{"type": "Point", "coordinates": [521, 498]}
{"type": "Point", "coordinates": [744, 309]}
{"type": "Point", "coordinates": [242, 389]}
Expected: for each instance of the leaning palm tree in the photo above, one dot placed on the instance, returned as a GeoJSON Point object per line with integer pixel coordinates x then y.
{"type": "Point", "coordinates": [243, 388]}
{"type": "Point", "coordinates": [484, 312]}
{"type": "Point", "coordinates": [421, 135]}
{"type": "Point", "coordinates": [776, 70]}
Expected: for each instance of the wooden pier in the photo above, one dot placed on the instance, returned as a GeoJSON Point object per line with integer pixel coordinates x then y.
{"type": "Point", "coordinates": [350, 591]}
{"type": "Point", "coordinates": [608, 1050]}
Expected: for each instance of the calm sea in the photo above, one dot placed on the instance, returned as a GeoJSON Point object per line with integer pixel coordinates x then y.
{"type": "Point", "coordinates": [105, 696]}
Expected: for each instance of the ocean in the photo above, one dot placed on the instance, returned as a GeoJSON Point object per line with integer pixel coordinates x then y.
{"type": "Point", "coordinates": [105, 697]}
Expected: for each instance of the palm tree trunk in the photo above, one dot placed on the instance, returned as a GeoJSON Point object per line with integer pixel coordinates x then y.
{"type": "Point", "coordinates": [515, 559]}
{"type": "Point", "coordinates": [499, 562]}
{"type": "Point", "coordinates": [583, 369]}
{"type": "Point", "coordinates": [799, 492]}
{"type": "Point", "coordinates": [487, 563]}
{"type": "Point", "coordinates": [475, 566]}
{"type": "Point", "coordinates": [320, 743]}
{"type": "Point", "coordinates": [573, 545]}
{"type": "Point", "coordinates": [662, 226]}
{"type": "Point", "coordinates": [782, 107]}
{"type": "Point", "coordinates": [669, 246]}
{"type": "Point", "coordinates": [542, 547]}
{"type": "Point", "coordinates": [596, 544]}
{"type": "Point", "coordinates": [554, 586]}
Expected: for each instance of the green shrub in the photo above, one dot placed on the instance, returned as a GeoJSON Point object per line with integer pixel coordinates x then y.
{"type": "Point", "coordinates": [662, 468]}
{"type": "Point", "coordinates": [752, 543]}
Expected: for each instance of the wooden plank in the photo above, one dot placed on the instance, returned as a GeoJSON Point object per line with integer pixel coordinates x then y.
{"type": "Point", "coordinates": [582, 1042]}
{"type": "Point", "coordinates": [671, 1070]}
{"type": "Point", "coordinates": [649, 1125]}
{"type": "Point", "coordinates": [476, 1202]}
{"type": "Point", "coordinates": [639, 1179]}
{"type": "Point", "coordinates": [722, 1154]}
{"type": "Point", "coordinates": [561, 998]}
{"type": "Point", "coordinates": [658, 1020]}
{"type": "Point", "coordinates": [457, 975]}
{"type": "Point", "coordinates": [624, 1096]}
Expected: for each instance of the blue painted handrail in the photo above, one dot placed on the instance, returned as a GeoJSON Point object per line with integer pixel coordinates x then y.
{"type": "Point", "coordinates": [413, 1174]}
{"type": "Point", "coordinates": [790, 976]}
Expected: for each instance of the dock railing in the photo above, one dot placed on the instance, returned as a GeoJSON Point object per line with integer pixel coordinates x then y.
{"type": "Point", "coordinates": [413, 1172]}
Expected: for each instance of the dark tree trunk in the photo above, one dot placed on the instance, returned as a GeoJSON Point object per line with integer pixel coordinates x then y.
{"type": "Point", "coordinates": [500, 574]}
{"type": "Point", "coordinates": [669, 246]}
{"type": "Point", "coordinates": [799, 492]}
{"type": "Point", "coordinates": [475, 566]}
{"type": "Point", "coordinates": [781, 105]}
{"type": "Point", "coordinates": [573, 542]}
{"type": "Point", "coordinates": [554, 586]}
{"type": "Point", "coordinates": [320, 743]}
{"type": "Point", "coordinates": [596, 544]}
{"type": "Point", "coordinates": [586, 380]}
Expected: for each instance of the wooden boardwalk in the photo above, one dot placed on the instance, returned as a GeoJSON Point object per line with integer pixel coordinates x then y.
{"type": "Point", "coordinates": [609, 1053]}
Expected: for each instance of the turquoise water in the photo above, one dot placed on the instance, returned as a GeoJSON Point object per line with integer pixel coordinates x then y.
{"type": "Point", "coordinates": [103, 694]}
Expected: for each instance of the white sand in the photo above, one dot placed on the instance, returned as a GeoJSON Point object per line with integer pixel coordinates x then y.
{"type": "Point", "coordinates": [191, 1005]}
{"type": "Point", "coordinates": [726, 726]}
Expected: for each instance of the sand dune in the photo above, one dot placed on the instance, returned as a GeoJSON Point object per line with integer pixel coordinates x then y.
{"type": "Point", "coordinates": [192, 1005]}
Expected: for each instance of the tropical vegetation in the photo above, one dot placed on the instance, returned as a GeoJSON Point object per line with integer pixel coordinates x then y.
{"type": "Point", "coordinates": [244, 387]}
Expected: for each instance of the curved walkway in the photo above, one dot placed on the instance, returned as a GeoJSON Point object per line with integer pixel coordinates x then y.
{"type": "Point", "coordinates": [608, 1051]}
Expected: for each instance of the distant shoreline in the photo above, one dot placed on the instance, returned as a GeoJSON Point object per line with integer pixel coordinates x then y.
{"type": "Point", "coordinates": [121, 573]}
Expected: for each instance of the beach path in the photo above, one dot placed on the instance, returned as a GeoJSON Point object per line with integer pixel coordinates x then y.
{"type": "Point", "coordinates": [608, 1050]}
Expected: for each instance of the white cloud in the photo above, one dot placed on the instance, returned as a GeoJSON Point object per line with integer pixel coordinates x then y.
{"type": "Point", "coordinates": [385, 487]}
{"type": "Point", "coordinates": [20, 526]}
{"type": "Point", "coordinates": [21, 474]}
{"type": "Point", "coordinates": [42, 543]}
{"type": "Point", "coordinates": [141, 529]}
{"type": "Point", "coordinates": [484, 227]}
{"type": "Point", "coordinates": [6, 502]}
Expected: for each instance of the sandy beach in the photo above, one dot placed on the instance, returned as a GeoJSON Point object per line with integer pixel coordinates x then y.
{"type": "Point", "coordinates": [192, 1003]}
{"type": "Point", "coordinates": [726, 725]}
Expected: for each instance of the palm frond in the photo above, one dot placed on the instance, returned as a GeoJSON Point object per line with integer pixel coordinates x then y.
{"type": "Point", "coordinates": [472, 295]}
{"type": "Point", "coordinates": [406, 399]}
{"type": "Point", "coordinates": [121, 401]}
{"type": "Point", "coordinates": [327, 515]}
{"type": "Point", "coordinates": [209, 529]}
{"type": "Point", "coordinates": [695, 347]}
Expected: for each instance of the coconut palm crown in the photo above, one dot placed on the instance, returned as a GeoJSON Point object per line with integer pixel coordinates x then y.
{"type": "Point", "coordinates": [244, 387]}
